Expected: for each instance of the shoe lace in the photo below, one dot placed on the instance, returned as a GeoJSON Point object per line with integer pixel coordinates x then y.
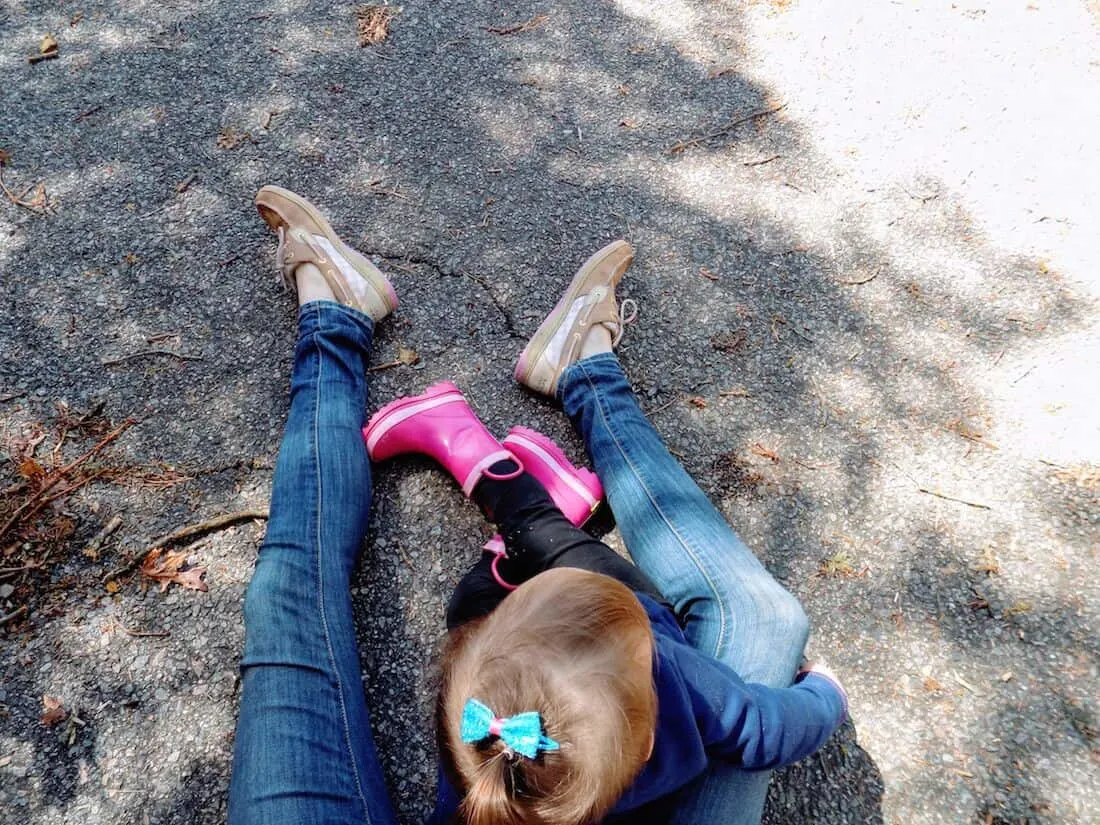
{"type": "Point", "coordinates": [280, 256]}
{"type": "Point", "coordinates": [628, 314]}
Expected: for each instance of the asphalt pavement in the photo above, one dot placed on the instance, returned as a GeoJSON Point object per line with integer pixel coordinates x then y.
{"type": "Point", "coordinates": [867, 281]}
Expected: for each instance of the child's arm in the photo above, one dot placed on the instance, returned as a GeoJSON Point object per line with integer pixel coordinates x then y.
{"type": "Point", "coordinates": [477, 595]}
{"type": "Point", "coordinates": [762, 727]}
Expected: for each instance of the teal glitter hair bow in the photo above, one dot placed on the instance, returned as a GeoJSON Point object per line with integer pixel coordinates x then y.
{"type": "Point", "coordinates": [522, 732]}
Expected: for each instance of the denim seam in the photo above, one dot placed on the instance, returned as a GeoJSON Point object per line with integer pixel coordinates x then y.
{"type": "Point", "coordinates": [320, 574]}
{"type": "Point", "coordinates": [645, 486]}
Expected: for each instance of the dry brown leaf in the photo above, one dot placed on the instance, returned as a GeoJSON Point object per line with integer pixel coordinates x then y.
{"type": "Point", "coordinates": [53, 711]}
{"type": "Point", "coordinates": [697, 401]}
{"type": "Point", "coordinates": [230, 138]}
{"type": "Point", "coordinates": [5, 158]}
{"type": "Point", "coordinates": [31, 469]}
{"type": "Point", "coordinates": [192, 579]}
{"type": "Point", "coordinates": [840, 565]}
{"type": "Point", "coordinates": [38, 202]}
{"type": "Point", "coordinates": [988, 564]}
{"type": "Point", "coordinates": [373, 23]}
{"type": "Point", "coordinates": [931, 685]}
{"type": "Point", "coordinates": [408, 356]}
{"type": "Point", "coordinates": [730, 342]}
{"type": "Point", "coordinates": [47, 50]}
{"type": "Point", "coordinates": [979, 602]}
{"type": "Point", "coordinates": [764, 452]}
{"type": "Point", "coordinates": [25, 445]}
{"type": "Point", "coordinates": [166, 568]}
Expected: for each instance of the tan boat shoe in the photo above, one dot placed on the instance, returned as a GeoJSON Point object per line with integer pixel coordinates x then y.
{"type": "Point", "coordinates": [306, 237]}
{"type": "Point", "coordinates": [589, 300]}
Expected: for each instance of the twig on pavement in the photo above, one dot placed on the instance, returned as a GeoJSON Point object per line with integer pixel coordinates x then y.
{"type": "Point", "coordinates": [39, 205]}
{"type": "Point", "coordinates": [859, 281]}
{"type": "Point", "coordinates": [666, 405]}
{"type": "Point", "coordinates": [518, 28]}
{"type": "Point", "coordinates": [729, 127]}
{"type": "Point", "coordinates": [185, 533]}
{"type": "Point", "coordinates": [141, 634]}
{"type": "Point", "coordinates": [37, 501]}
{"type": "Point", "coordinates": [388, 365]}
{"type": "Point", "coordinates": [87, 113]}
{"type": "Point", "coordinates": [209, 525]}
{"type": "Point", "coordinates": [147, 352]}
{"type": "Point", "coordinates": [8, 571]}
{"type": "Point", "coordinates": [946, 497]}
{"type": "Point", "coordinates": [15, 614]}
{"type": "Point", "coordinates": [762, 162]}
{"type": "Point", "coordinates": [91, 550]}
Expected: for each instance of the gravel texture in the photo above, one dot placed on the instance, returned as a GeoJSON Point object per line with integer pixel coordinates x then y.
{"type": "Point", "coordinates": [881, 294]}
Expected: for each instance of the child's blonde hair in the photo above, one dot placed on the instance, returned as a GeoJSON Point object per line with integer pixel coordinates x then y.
{"type": "Point", "coordinates": [577, 648]}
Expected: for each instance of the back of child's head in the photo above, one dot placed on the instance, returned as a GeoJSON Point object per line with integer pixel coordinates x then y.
{"type": "Point", "coordinates": [576, 648]}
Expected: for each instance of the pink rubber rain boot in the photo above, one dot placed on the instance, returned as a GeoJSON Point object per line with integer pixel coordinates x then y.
{"type": "Point", "coordinates": [438, 423]}
{"type": "Point", "coordinates": [577, 492]}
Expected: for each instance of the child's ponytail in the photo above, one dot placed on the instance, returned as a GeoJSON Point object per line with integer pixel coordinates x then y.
{"type": "Point", "coordinates": [490, 799]}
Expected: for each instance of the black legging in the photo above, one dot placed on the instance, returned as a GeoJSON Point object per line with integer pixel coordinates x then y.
{"type": "Point", "coordinates": [538, 537]}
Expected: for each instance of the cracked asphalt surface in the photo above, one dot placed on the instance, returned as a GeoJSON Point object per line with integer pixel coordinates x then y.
{"type": "Point", "coordinates": [868, 327]}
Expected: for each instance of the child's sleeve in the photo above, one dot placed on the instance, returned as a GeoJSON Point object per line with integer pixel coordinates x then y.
{"type": "Point", "coordinates": [477, 595]}
{"type": "Point", "coordinates": [761, 727]}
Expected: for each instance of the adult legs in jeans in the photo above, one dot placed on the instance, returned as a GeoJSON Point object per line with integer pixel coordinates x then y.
{"type": "Point", "coordinates": [304, 751]}
{"type": "Point", "coordinates": [730, 605]}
